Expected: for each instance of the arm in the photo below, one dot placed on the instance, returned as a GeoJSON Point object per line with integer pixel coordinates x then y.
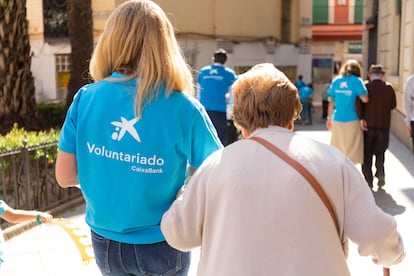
{"type": "Point", "coordinates": [364, 98]}
{"type": "Point", "coordinates": [408, 107]}
{"type": "Point", "coordinates": [182, 224]}
{"type": "Point", "coordinates": [374, 231]}
{"type": "Point", "coordinates": [394, 98]}
{"type": "Point", "coordinates": [362, 91]}
{"type": "Point", "coordinates": [363, 124]}
{"type": "Point", "coordinates": [408, 104]}
{"type": "Point", "coordinates": [409, 130]}
{"type": "Point", "coordinates": [66, 169]}
{"type": "Point", "coordinates": [16, 216]}
{"type": "Point", "coordinates": [329, 118]}
{"type": "Point", "coordinates": [359, 107]}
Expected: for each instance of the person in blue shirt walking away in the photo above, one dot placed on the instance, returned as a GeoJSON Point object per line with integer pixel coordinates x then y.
{"type": "Point", "coordinates": [130, 138]}
{"type": "Point", "coordinates": [342, 119]}
{"type": "Point", "coordinates": [299, 82]}
{"type": "Point", "coordinates": [305, 96]}
{"type": "Point", "coordinates": [214, 91]}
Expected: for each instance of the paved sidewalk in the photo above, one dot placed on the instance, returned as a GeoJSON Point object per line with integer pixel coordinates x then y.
{"type": "Point", "coordinates": [47, 250]}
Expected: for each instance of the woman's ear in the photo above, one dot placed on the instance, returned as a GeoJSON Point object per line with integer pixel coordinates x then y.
{"type": "Point", "coordinates": [291, 125]}
{"type": "Point", "coordinates": [244, 132]}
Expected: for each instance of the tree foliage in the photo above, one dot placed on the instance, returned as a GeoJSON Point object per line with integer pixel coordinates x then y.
{"type": "Point", "coordinates": [17, 91]}
{"type": "Point", "coordinates": [81, 39]}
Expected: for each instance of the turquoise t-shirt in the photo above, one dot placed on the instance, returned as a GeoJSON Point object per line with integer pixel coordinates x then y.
{"type": "Point", "coordinates": [344, 90]}
{"type": "Point", "coordinates": [215, 82]}
{"type": "Point", "coordinates": [3, 207]}
{"type": "Point", "coordinates": [131, 169]}
{"type": "Point", "coordinates": [305, 92]}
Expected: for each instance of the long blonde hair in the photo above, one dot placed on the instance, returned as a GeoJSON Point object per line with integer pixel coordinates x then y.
{"type": "Point", "coordinates": [138, 39]}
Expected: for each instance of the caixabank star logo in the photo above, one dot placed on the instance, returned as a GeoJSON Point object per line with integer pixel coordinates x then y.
{"type": "Point", "coordinates": [125, 126]}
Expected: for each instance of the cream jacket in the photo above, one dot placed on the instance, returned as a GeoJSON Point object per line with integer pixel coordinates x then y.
{"type": "Point", "coordinates": [253, 214]}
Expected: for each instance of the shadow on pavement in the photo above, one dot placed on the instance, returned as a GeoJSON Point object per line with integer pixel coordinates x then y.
{"type": "Point", "coordinates": [403, 153]}
{"type": "Point", "coordinates": [409, 193]}
{"type": "Point", "coordinates": [387, 203]}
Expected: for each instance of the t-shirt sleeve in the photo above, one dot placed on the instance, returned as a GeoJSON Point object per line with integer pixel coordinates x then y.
{"type": "Point", "coordinates": [67, 137]}
{"type": "Point", "coordinates": [230, 76]}
{"type": "Point", "coordinates": [3, 207]}
{"type": "Point", "coordinates": [361, 89]}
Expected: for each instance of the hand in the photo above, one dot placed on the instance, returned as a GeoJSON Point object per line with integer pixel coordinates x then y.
{"type": "Point", "coordinates": [328, 123]}
{"type": "Point", "coordinates": [44, 217]}
{"type": "Point", "coordinates": [363, 125]}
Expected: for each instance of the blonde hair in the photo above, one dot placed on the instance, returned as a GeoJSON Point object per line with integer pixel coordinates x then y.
{"type": "Point", "coordinates": [138, 40]}
{"type": "Point", "coordinates": [351, 67]}
{"type": "Point", "coordinates": [264, 96]}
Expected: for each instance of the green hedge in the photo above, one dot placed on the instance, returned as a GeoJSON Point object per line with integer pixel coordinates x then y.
{"type": "Point", "coordinates": [17, 137]}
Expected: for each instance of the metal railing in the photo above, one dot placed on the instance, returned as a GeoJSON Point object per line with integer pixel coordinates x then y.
{"type": "Point", "coordinates": [27, 179]}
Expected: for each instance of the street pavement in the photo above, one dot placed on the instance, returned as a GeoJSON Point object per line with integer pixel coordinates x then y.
{"type": "Point", "coordinates": [48, 250]}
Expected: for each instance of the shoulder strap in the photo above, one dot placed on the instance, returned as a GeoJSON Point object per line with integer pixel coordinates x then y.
{"type": "Point", "coordinates": [305, 173]}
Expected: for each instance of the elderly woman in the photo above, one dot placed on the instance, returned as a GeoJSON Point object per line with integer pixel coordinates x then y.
{"type": "Point", "coordinates": [252, 213]}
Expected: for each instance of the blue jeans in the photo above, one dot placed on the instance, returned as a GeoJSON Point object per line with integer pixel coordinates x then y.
{"type": "Point", "coordinates": [116, 259]}
{"type": "Point", "coordinates": [305, 114]}
{"type": "Point", "coordinates": [219, 120]}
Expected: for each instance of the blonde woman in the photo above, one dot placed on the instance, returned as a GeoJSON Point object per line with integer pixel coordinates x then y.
{"type": "Point", "coordinates": [342, 119]}
{"type": "Point", "coordinates": [129, 138]}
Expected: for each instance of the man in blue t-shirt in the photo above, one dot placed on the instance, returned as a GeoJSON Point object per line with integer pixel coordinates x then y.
{"type": "Point", "coordinates": [299, 82]}
{"type": "Point", "coordinates": [305, 96]}
{"type": "Point", "coordinates": [214, 90]}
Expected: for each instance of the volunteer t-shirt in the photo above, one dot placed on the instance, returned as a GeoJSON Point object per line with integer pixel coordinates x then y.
{"type": "Point", "coordinates": [343, 91]}
{"type": "Point", "coordinates": [130, 168]}
{"type": "Point", "coordinates": [214, 83]}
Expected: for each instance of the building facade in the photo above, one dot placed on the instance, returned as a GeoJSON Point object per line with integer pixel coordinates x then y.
{"type": "Point", "coordinates": [337, 30]}
{"type": "Point", "coordinates": [275, 31]}
{"type": "Point", "coordinates": [389, 40]}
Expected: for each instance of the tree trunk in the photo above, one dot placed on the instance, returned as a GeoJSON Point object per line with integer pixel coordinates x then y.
{"type": "Point", "coordinates": [17, 91]}
{"type": "Point", "coordinates": [81, 40]}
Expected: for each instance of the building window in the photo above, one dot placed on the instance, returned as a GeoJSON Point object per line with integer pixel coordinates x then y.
{"type": "Point", "coordinates": [355, 47]}
{"type": "Point", "coordinates": [320, 12]}
{"type": "Point", "coordinates": [286, 35]}
{"type": "Point", "coordinates": [399, 6]}
{"type": "Point", "coordinates": [359, 11]}
{"type": "Point", "coordinates": [62, 75]}
{"type": "Point", "coordinates": [341, 2]}
{"type": "Point", "coordinates": [62, 63]}
{"type": "Point", "coordinates": [55, 19]}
